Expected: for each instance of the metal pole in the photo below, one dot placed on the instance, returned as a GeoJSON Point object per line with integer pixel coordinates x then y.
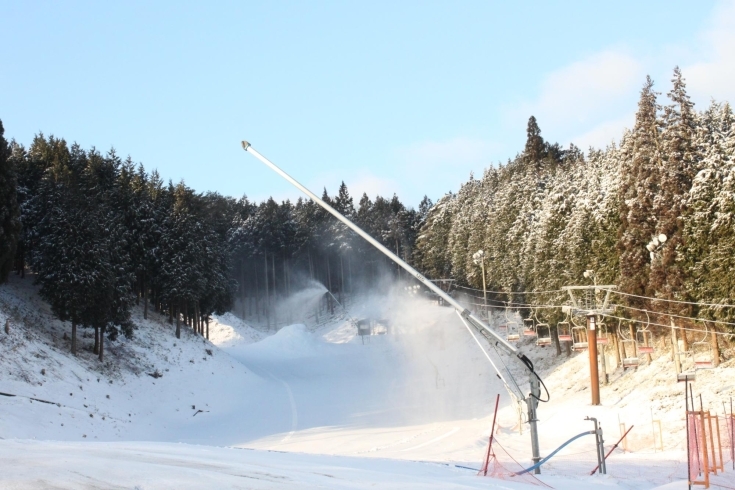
{"type": "Point", "coordinates": [732, 435]}
{"type": "Point", "coordinates": [532, 403]}
{"type": "Point", "coordinates": [484, 287]}
{"type": "Point", "coordinates": [689, 457]}
{"type": "Point", "coordinates": [492, 433]}
{"type": "Point", "coordinates": [601, 449]}
{"type": "Point", "coordinates": [600, 454]}
{"type": "Point", "coordinates": [592, 347]}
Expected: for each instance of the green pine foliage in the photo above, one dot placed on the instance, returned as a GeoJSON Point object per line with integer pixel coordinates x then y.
{"type": "Point", "coordinates": [550, 214]}
{"type": "Point", "coordinates": [9, 211]}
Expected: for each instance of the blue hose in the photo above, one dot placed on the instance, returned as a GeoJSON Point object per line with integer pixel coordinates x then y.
{"type": "Point", "coordinates": [553, 453]}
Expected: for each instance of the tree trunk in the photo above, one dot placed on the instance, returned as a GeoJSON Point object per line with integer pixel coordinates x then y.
{"type": "Point", "coordinates": [206, 319]}
{"type": "Point", "coordinates": [102, 343]}
{"type": "Point", "coordinates": [555, 337]}
{"type": "Point", "coordinates": [341, 280]}
{"type": "Point", "coordinates": [145, 299]}
{"type": "Point", "coordinates": [178, 320]}
{"type": "Point", "coordinates": [330, 303]}
{"type": "Point", "coordinates": [616, 341]}
{"type": "Point", "coordinates": [257, 291]}
{"type": "Point", "coordinates": [267, 299]}
{"type": "Point", "coordinates": [715, 348]}
{"type": "Point", "coordinates": [74, 337]}
{"type": "Point", "coordinates": [96, 349]}
{"type": "Point", "coordinates": [242, 285]}
{"type": "Point", "coordinates": [684, 340]}
{"type": "Point", "coordinates": [273, 272]}
{"type": "Point", "coordinates": [349, 273]}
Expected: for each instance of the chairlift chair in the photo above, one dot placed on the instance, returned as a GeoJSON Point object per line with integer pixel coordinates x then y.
{"type": "Point", "coordinates": [511, 328]}
{"type": "Point", "coordinates": [512, 334]}
{"type": "Point", "coordinates": [579, 337]}
{"type": "Point", "coordinates": [529, 330]}
{"type": "Point", "coordinates": [543, 333]}
{"type": "Point", "coordinates": [564, 332]}
{"type": "Point", "coordinates": [628, 361]}
{"type": "Point", "coordinates": [702, 352]}
{"type": "Point", "coordinates": [644, 338]}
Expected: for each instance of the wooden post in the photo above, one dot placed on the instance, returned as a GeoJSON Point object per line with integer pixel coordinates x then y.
{"type": "Point", "coordinates": [719, 442]}
{"type": "Point", "coordinates": [705, 459]}
{"type": "Point", "coordinates": [714, 466]}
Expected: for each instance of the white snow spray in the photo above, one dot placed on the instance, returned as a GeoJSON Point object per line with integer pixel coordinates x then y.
{"type": "Point", "coordinates": [303, 302]}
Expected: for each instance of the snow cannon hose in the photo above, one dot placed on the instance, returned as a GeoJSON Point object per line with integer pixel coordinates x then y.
{"type": "Point", "coordinates": [531, 468]}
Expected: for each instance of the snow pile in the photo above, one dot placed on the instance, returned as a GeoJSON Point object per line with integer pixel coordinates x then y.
{"type": "Point", "coordinates": [229, 330]}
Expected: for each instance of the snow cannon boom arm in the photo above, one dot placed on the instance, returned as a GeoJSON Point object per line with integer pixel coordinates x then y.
{"type": "Point", "coordinates": [533, 397]}
{"type": "Point", "coordinates": [467, 314]}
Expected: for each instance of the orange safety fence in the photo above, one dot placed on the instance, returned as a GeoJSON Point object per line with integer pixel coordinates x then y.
{"type": "Point", "coordinates": [710, 440]}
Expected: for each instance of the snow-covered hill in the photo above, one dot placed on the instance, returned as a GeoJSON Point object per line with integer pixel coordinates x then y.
{"type": "Point", "coordinates": [423, 392]}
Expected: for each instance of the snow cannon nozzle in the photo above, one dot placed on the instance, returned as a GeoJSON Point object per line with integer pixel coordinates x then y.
{"type": "Point", "coordinates": [245, 145]}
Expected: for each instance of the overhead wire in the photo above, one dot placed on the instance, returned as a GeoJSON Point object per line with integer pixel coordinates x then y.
{"type": "Point", "coordinates": [631, 320]}
{"type": "Point", "coordinates": [673, 315]}
{"type": "Point", "coordinates": [509, 292]}
{"type": "Point", "coordinates": [718, 305]}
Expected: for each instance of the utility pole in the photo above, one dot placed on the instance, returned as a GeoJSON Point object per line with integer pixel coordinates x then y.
{"type": "Point", "coordinates": [592, 347]}
{"type": "Point", "coordinates": [479, 258]}
{"type": "Point", "coordinates": [591, 311]}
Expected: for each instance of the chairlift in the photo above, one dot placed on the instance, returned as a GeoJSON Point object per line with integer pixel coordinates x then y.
{"type": "Point", "coordinates": [513, 335]}
{"type": "Point", "coordinates": [529, 329]}
{"type": "Point", "coordinates": [644, 337]}
{"type": "Point", "coordinates": [702, 352]}
{"type": "Point", "coordinates": [511, 328]}
{"type": "Point", "coordinates": [579, 337]}
{"type": "Point", "coordinates": [564, 332]}
{"type": "Point", "coordinates": [629, 361]}
{"type": "Point", "coordinates": [543, 333]}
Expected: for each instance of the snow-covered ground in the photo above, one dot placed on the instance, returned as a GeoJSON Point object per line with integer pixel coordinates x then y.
{"type": "Point", "coordinates": [312, 406]}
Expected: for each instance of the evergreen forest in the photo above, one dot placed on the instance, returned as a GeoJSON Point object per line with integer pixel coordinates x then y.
{"type": "Point", "coordinates": [100, 233]}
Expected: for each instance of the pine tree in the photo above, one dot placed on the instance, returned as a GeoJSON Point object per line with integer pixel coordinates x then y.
{"type": "Point", "coordinates": [9, 211]}
{"type": "Point", "coordinates": [640, 186]}
{"type": "Point", "coordinates": [680, 160]}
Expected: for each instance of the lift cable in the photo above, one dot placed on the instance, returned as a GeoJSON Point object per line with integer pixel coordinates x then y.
{"type": "Point", "coordinates": [716, 305]}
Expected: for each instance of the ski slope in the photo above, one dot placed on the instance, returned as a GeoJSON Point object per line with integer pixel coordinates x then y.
{"type": "Point", "coordinates": [306, 407]}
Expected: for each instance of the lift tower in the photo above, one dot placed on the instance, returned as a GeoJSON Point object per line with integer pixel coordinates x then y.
{"type": "Point", "coordinates": [531, 399]}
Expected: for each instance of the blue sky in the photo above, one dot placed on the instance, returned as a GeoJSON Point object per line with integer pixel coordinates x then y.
{"type": "Point", "coordinates": [405, 97]}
